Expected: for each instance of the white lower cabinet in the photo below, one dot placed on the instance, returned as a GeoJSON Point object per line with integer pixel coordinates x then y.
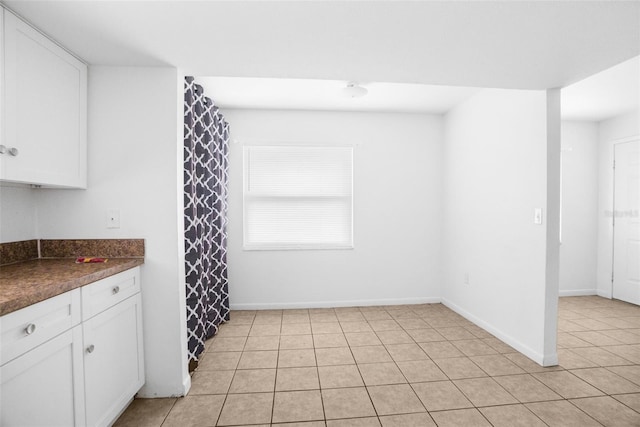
{"type": "Point", "coordinates": [44, 386]}
{"type": "Point", "coordinates": [86, 374]}
{"type": "Point", "coordinates": [113, 368]}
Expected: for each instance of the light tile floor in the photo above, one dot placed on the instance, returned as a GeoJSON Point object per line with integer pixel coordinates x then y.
{"type": "Point", "coordinates": [416, 365]}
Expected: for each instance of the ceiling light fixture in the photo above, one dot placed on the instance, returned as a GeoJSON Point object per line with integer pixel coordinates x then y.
{"type": "Point", "coordinates": [354, 90]}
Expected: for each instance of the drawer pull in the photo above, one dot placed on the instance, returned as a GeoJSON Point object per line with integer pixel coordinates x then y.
{"type": "Point", "coordinates": [31, 328]}
{"type": "Point", "coordinates": [116, 289]}
{"type": "Point", "coordinates": [91, 348]}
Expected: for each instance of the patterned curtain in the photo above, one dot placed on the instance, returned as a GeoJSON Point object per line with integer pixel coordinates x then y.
{"type": "Point", "coordinates": [206, 143]}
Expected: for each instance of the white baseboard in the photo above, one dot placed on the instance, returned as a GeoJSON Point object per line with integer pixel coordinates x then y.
{"type": "Point", "coordinates": [186, 384]}
{"type": "Point", "coordinates": [541, 359]}
{"type": "Point", "coordinates": [604, 294]}
{"type": "Point", "coordinates": [577, 292]}
{"type": "Point", "coordinates": [550, 359]}
{"type": "Point", "coordinates": [330, 304]}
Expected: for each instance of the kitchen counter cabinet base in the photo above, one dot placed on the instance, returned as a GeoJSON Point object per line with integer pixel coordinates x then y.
{"type": "Point", "coordinates": [81, 370]}
{"type": "Point", "coordinates": [114, 370]}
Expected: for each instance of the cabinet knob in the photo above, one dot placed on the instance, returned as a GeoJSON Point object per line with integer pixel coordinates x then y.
{"type": "Point", "coordinates": [3, 149]}
{"type": "Point", "coordinates": [91, 348]}
{"type": "Point", "coordinates": [31, 328]}
{"type": "Point", "coordinates": [13, 151]}
{"type": "Point", "coordinates": [116, 289]}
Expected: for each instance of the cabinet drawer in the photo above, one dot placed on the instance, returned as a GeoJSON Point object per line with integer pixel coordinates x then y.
{"type": "Point", "coordinates": [106, 293]}
{"type": "Point", "coordinates": [25, 329]}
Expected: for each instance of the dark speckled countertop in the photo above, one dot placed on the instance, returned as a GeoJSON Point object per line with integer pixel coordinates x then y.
{"type": "Point", "coordinates": [30, 281]}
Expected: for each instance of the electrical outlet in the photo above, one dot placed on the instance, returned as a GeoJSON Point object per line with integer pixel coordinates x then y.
{"type": "Point", "coordinates": [113, 218]}
{"type": "Point", "coordinates": [466, 278]}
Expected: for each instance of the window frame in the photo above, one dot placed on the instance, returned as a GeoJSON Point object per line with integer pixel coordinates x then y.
{"type": "Point", "coordinates": [274, 246]}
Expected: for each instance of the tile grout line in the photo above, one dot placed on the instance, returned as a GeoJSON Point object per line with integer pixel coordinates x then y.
{"type": "Point", "coordinates": [235, 370]}
{"type": "Point", "coordinates": [275, 381]}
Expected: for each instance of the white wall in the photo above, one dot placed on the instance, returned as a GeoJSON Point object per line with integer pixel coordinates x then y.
{"type": "Point", "coordinates": [397, 213]}
{"type": "Point", "coordinates": [18, 220]}
{"type": "Point", "coordinates": [578, 252]}
{"type": "Point", "coordinates": [133, 165]}
{"type": "Point", "coordinates": [495, 174]}
{"type": "Point", "coordinates": [610, 132]}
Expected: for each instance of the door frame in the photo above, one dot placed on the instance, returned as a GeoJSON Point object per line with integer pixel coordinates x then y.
{"type": "Point", "coordinates": [612, 185]}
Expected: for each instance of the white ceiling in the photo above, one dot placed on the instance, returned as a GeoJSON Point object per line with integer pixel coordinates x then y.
{"type": "Point", "coordinates": [604, 95]}
{"type": "Point", "coordinates": [509, 44]}
{"type": "Point", "coordinates": [305, 94]}
{"type": "Point", "coordinates": [299, 55]}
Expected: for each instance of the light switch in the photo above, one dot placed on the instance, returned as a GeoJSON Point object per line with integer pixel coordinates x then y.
{"type": "Point", "coordinates": [537, 216]}
{"type": "Point", "coordinates": [113, 218]}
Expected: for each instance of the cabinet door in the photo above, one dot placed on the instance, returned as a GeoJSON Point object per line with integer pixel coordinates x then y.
{"type": "Point", "coordinates": [2, 138]}
{"type": "Point", "coordinates": [44, 387]}
{"type": "Point", "coordinates": [45, 96]}
{"type": "Point", "coordinates": [113, 360]}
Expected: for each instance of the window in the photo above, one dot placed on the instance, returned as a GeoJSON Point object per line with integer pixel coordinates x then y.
{"type": "Point", "coordinates": [298, 197]}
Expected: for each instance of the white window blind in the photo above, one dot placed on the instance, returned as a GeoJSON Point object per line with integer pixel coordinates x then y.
{"type": "Point", "coordinates": [298, 197]}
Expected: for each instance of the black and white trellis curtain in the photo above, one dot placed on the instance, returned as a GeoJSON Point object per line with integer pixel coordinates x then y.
{"type": "Point", "coordinates": [206, 143]}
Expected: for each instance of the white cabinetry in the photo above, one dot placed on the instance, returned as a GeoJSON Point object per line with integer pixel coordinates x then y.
{"type": "Point", "coordinates": [113, 362]}
{"type": "Point", "coordinates": [44, 387]}
{"type": "Point", "coordinates": [76, 373]}
{"type": "Point", "coordinates": [3, 148]}
{"type": "Point", "coordinates": [44, 134]}
{"type": "Point", "coordinates": [42, 364]}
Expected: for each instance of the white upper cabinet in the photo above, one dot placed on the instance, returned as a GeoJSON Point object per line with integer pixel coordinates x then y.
{"type": "Point", "coordinates": [44, 120]}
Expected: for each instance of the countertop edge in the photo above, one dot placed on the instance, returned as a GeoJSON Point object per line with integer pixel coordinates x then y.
{"type": "Point", "coordinates": [46, 292]}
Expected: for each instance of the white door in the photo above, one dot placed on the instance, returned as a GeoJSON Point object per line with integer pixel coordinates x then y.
{"type": "Point", "coordinates": [626, 228]}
